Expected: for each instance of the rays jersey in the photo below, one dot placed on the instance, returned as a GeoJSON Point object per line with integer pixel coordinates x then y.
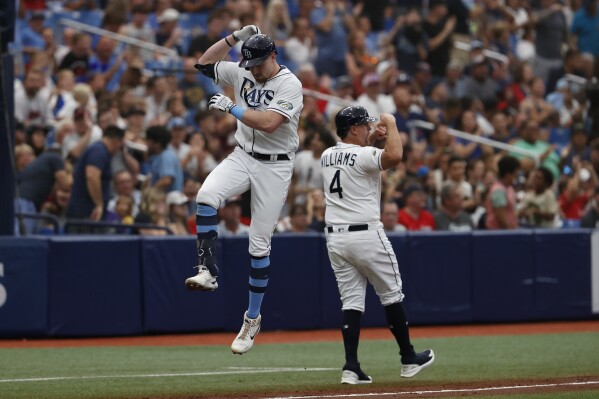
{"type": "Point", "coordinates": [352, 184]}
{"type": "Point", "coordinates": [281, 93]}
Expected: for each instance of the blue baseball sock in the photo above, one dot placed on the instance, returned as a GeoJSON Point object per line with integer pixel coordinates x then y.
{"type": "Point", "coordinates": [207, 232]}
{"type": "Point", "coordinates": [258, 283]}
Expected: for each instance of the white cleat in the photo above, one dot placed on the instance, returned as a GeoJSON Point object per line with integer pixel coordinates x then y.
{"type": "Point", "coordinates": [420, 361]}
{"type": "Point", "coordinates": [203, 281]}
{"type": "Point", "coordinates": [245, 339]}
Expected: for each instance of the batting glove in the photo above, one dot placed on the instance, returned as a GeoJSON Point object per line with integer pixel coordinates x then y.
{"type": "Point", "coordinates": [244, 33]}
{"type": "Point", "coordinates": [221, 103]}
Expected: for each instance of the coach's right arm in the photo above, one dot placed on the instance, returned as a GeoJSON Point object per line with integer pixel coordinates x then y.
{"type": "Point", "coordinates": [393, 151]}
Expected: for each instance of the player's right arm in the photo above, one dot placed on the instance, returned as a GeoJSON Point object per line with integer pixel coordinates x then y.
{"type": "Point", "coordinates": [393, 151]}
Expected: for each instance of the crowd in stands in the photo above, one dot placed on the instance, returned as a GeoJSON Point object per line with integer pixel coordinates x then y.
{"type": "Point", "coordinates": [107, 131]}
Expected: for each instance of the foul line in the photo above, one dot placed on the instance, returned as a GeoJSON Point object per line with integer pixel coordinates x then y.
{"type": "Point", "coordinates": [464, 390]}
{"type": "Point", "coordinates": [237, 370]}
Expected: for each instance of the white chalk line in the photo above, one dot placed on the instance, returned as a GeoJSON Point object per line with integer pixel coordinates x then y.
{"type": "Point", "coordinates": [463, 390]}
{"type": "Point", "coordinates": [235, 371]}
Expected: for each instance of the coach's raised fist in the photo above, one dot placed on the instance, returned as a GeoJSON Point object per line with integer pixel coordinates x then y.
{"type": "Point", "coordinates": [221, 103]}
{"type": "Point", "coordinates": [244, 33]}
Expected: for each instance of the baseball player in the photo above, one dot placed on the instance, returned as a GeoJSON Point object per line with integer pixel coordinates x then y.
{"type": "Point", "coordinates": [268, 102]}
{"type": "Point", "coordinates": [358, 247]}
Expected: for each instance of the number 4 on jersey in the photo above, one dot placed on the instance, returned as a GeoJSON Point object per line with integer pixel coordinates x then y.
{"type": "Point", "coordinates": [335, 186]}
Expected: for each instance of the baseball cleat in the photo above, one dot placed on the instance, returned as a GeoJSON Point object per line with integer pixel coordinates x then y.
{"type": "Point", "coordinates": [420, 361]}
{"type": "Point", "coordinates": [203, 281]}
{"type": "Point", "coordinates": [354, 375]}
{"type": "Point", "coordinates": [245, 339]}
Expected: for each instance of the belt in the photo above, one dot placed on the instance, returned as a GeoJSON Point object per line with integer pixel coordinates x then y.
{"type": "Point", "coordinates": [345, 228]}
{"type": "Point", "coordinates": [266, 157]}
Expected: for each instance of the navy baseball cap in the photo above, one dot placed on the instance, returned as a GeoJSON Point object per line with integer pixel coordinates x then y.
{"type": "Point", "coordinates": [256, 50]}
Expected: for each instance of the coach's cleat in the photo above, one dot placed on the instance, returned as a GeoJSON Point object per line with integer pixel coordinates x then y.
{"type": "Point", "coordinates": [354, 375]}
{"type": "Point", "coordinates": [203, 281]}
{"type": "Point", "coordinates": [411, 367]}
{"type": "Point", "coordinates": [245, 339]}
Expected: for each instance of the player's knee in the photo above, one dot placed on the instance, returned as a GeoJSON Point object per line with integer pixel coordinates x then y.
{"type": "Point", "coordinates": [390, 298]}
{"type": "Point", "coordinates": [208, 199]}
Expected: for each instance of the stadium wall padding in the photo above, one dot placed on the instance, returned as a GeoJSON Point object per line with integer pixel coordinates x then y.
{"type": "Point", "coordinates": [68, 286]}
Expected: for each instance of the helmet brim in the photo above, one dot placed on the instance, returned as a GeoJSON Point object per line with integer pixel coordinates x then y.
{"type": "Point", "coordinates": [248, 63]}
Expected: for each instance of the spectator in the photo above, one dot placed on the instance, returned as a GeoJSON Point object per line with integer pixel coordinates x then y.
{"type": "Point", "coordinates": [413, 216]}
{"type": "Point", "coordinates": [31, 35]}
{"type": "Point", "coordinates": [91, 187]}
{"type": "Point", "coordinates": [332, 21]}
{"type": "Point", "coordinates": [306, 169]}
{"type": "Point", "coordinates": [139, 29]}
{"type": "Point", "coordinates": [579, 189]}
{"type": "Point", "coordinates": [214, 29]}
{"type": "Point", "coordinates": [177, 127]}
{"type": "Point", "coordinates": [409, 40]}
{"type": "Point", "coordinates": [389, 217]}
{"type": "Point", "coordinates": [86, 133]}
{"type": "Point", "coordinates": [534, 107]}
{"type": "Point", "coordinates": [454, 80]}
{"type": "Point", "coordinates": [61, 100]}
{"type": "Point", "coordinates": [572, 65]}
{"type": "Point", "coordinates": [464, 148]}
{"type": "Point", "coordinates": [165, 169]}
{"type": "Point", "coordinates": [358, 61]}
{"type": "Point", "coordinates": [373, 98]}
{"type": "Point", "coordinates": [31, 103]}
{"type": "Point", "coordinates": [124, 186]}
{"type": "Point", "coordinates": [298, 220]}
{"type": "Point", "coordinates": [438, 28]}
{"type": "Point", "coordinates": [315, 206]}
{"type": "Point", "coordinates": [108, 62]}
{"type": "Point", "coordinates": [156, 98]}
{"type": "Point", "coordinates": [500, 202]}
{"type": "Point", "coordinates": [539, 206]}
{"type": "Point", "coordinates": [122, 212]}
{"type": "Point", "coordinates": [57, 202]}
{"type": "Point", "coordinates": [585, 27]}
{"type": "Point", "coordinates": [404, 112]}
{"type": "Point", "coordinates": [230, 214]}
{"type": "Point", "coordinates": [551, 33]}
{"type": "Point", "coordinates": [36, 138]}
{"type": "Point", "coordinates": [153, 211]}
{"type": "Point", "coordinates": [178, 205]}
{"type": "Point", "coordinates": [456, 174]}
{"type": "Point", "coordinates": [577, 150]}
{"type": "Point", "coordinates": [169, 34]}
{"type": "Point", "coordinates": [591, 217]}
{"type": "Point", "coordinates": [451, 215]}
{"type": "Point", "coordinates": [198, 162]}
{"type": "Point", "coordinates": [277, 23]}
{"type": "Point", "coordinates": [197, 5]}
{"type": "Point", "coordinates": [300, 48]}
{"type": "Point", "coordinates": [529, 140]}
{"type": "Point", "coordinates": [479, 85]}
{"type": "Point", "coordinates": [77, 60]}
{"type": "Point", "coordinates": [23, 156]}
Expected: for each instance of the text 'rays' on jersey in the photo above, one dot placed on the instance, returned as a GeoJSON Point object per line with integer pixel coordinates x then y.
{"type": "Point", "coordinates": [254, 97]}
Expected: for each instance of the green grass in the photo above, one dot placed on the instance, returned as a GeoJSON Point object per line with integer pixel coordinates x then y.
{"type": "Point", "coordinates": [459, 360]}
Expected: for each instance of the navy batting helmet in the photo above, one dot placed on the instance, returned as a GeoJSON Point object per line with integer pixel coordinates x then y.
{"type": "Point", "coordinates": [255, 50]}
{"type": "Point", "coordinates": [352, 116]}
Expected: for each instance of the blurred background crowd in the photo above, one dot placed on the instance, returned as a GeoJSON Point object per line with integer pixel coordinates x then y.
{"type": "Point", "coordinates": [513, 71]}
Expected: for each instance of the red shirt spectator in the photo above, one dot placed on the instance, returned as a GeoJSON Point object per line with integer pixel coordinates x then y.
{"type": "Point", "coordinates": [413, 216]}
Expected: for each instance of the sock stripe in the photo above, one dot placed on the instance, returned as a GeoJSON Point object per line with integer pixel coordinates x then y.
{"type": "Point", "coordinates": [260, 263]}
{"type": "Point", "coordinates": [206, 229]}
{"type": "Point", "coordinates": [257, 290]}
{"type": "Point", "coordinates": [259, 274]}
{"type": "Point", "coordinates": [205, 210]}
{"type": "Point", "coordinates": [258, 283]}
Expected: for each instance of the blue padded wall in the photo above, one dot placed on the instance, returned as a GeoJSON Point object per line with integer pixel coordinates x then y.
{"type": "Point", "coordinates": [23, 287]}
{"type": "Point", "coordinates": [168, 305]}
{"type": "Point", "coordinates": [438, 288]}
{"type": "Point", "coordinates": [562, 274]}
{"type": "Point", "coordinates": [94, 286]}
{"type": "Point", "coordinates": [502, 276]}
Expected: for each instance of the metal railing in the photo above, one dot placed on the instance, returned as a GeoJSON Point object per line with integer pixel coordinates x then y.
{"type": "Point", "coordinates": [487, 53]}
{"type": "Point", "coordinates": [53, 220]}
{"type": "Point", "coordinates": [478, 139]}
{"type": "Point", "coordinates": [118, 37]}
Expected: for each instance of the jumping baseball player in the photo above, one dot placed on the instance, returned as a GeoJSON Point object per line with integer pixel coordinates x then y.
{"type": "Point", "coordinates": [268, 102]}
{"type": "Point", "coordinates": [358, 247]}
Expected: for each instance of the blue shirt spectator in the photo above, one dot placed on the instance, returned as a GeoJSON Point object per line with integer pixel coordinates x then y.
{"type": "Point", "coordinates": [586, 27]}
{"type": "Point", "coordinates": [165, 169]}
{"type": "Point", "coordinates": [331, 38]}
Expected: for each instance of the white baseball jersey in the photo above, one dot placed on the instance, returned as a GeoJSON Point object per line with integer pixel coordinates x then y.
{"type": "Point", "coordinates": [281, 93]}
{"type": "Point", "coordinates": [352, 184]}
